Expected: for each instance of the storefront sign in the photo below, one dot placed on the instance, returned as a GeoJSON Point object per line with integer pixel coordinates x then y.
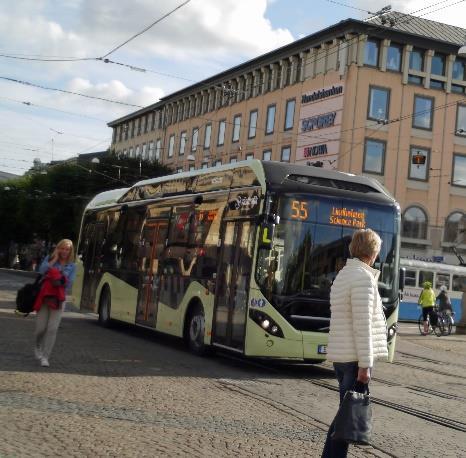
{"type": "Point", "coordinates": [318, 122]}
{"type": "Point", "coordinates": [321, 94]}
{"type": "Point", "coordinates": [317, 150]}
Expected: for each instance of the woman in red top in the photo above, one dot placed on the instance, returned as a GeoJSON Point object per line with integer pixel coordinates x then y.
{"type": "Point", "coordinates": [59, 271]}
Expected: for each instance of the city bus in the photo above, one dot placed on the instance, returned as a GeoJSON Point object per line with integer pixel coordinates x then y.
{"type": "Point", "coordinates": [239, 256]}
{"type": "Point", "coordinates": [438, 274]}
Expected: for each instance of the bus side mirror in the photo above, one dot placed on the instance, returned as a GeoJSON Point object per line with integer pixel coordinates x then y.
{"type": "Point", "coordinates": [402, 278]}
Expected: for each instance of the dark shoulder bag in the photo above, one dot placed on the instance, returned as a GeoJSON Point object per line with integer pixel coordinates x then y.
{"type": "Point", "coordinates": [353, 422]}
{"type": "Point", "coordinates": [26, 296]}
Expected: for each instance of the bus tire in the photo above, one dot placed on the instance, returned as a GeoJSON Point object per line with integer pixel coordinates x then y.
{"type": "Point", "coordinates": [195, 330]}
{"type": "Point", "coordinates": [105, 306]}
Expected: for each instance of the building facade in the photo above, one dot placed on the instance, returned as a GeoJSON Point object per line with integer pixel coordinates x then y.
{"type": "Point", "coordinates": [385, 98]}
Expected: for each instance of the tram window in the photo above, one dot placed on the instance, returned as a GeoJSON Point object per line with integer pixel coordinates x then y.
{"type": "Point", "coordinates": [459, 283]}
{"type": "Point", "coordinates": [410, 279]}
{"type": "Point", "coordinates": [425, 275]}
{"type": "Point", "coordinates": [442, 280]}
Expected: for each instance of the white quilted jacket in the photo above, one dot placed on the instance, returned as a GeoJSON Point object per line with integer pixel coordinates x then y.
{"type": "Point", "coordinates": [357, 324]}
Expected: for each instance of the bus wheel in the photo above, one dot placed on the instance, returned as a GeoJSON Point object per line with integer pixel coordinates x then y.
{"type": "Point", "coordinates": [196, 331]}
{"type": "Point", "coordinates": [105, 304]}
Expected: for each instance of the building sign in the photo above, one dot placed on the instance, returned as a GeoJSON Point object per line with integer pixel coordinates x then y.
{"type": "Point", "coordinates": [321, 94]}
{"type": "Point", "coordinates": [317, 150]}
{"type": "Point", "coordinates": [321, 110]}
{"type": "Point", "coordinates": [318, 122]}
{"type": "Point", "coordinates": [343, 216]}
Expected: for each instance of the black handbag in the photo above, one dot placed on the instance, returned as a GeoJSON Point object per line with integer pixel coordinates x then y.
{"type": "Point", "coordinates": [353, 422]}
{"type": "Point", "coordinates": [26, 296]}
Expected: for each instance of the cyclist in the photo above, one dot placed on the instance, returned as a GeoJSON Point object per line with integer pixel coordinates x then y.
{"type": "Point", "coordinates": [444, 302]}
{"type": "Point", "coordinates": [427, 301]}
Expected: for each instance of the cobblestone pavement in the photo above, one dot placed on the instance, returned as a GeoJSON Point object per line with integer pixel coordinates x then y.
{"type": "Point", "coordinates": [129, 392]}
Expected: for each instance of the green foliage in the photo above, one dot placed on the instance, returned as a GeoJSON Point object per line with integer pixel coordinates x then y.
{"type": "Point", "coordinates": [51, 204]}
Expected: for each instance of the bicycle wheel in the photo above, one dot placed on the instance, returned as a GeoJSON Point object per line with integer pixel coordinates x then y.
{"type": "Point", "coordinates": [420, 323]}
{"type": "Point", "coordinates": [439, 326]}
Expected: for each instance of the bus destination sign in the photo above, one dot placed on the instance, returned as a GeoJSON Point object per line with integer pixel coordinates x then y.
{"type": "Point", "coordinates": [343, 216]}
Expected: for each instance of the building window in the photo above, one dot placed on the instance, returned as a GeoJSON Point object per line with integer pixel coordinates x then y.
{"type": "Point", "coordinates": [379, 99]}
{"type": "Point", "coordinates": [438, 65]}
{"type": "Point", "coordinates": [138, 151]}
{"type": "Point", "coordinates": [459, 170]}
{"type": "Point", "coordinates": [144, 151]}
{"type": "Point", "coordinates": [207, 135]}
{"type": "Point", "coordinates": [286, 154]}
{"type": "Point", "coordinates": [249, 156]}
{"type": "Point", "coordinates": [114, 134]}
{"type": "Point", "coordinates": [120, 133]}
{"type": "Point", "coordinates": [192, 168]}
{"type": "Point", "coordinates": [183, 138]}
{"type": "Point", "coordinates": [158, 148]}
{"type": "Point", "coordinates": [371, 53]}
{"type": "Point", "coordinates": [236, 128]}
{"type": "Point", "coordinates": [423, 112]}
{"type": "Point", "coordinates": [179, 169]}
{"type": "Point", "coordinates": [374, 156]}
{"type": "Point", "coordinates": [221, 133]}
{"type": "Point", "coordinates": [289, 114]}
{"type": "Point", "coordinates": [195, 139]}
{"type": "Point", "coordinates": [267, 155]}
{"type": "Point", "coordinates": [233, 160]}
{"type": "Point", "coordinates": [458, 70]}
{"type": "Point", "coordinates": [270, 122]}
{"type": "Point", "coordinates": [217, 162]}
{"type": "Point", "coordinates": [171, 145]}
{"type": "Point", "coordinates": [204, 165]}
{"type": "Point", "coordinates": [455, 225]}
{"type": "Point", "coordinates": [416, 60]}
{"type": "Point", "coordinates": [252, 124]}
{"type": "Point", "coordinates": [461, 120]}
{"type": "Point", "coordinates": [139, 126]}
{"type": "Point", "coordinates": [421, 171]}
{"type": "Point", "coordinates": [133, 127]}
{"type": "Point", "coordinates": [151, 151]}
{"type": "Point", "coordinates": [131, 152]}
{"type": "Point", "coordinates": [394, 52]}
{"type": "Point", "coordinates": [414, 223]}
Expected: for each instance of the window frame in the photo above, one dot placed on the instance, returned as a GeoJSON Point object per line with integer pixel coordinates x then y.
{"type": "Point", "coordinates": [181, 153]}
{"type": "Point", "coordinates": [208, 125]}
{"type": "Point", "coordinates": [236, 129]}
{"type": "Point", "coordinates": [387, 104]}
{"type": "Point", "coordinates": [400, 49]}
{"type": "Point", "coordinates": [452, 182]}
{"type": "Point", "coordinates": [424, 149]}
{"type": "Point", "coordinates": [274, 106]}
{"type": "Point", "coordinates": [194, 144]}
{"type": "Point", "coordinates": [377, 43]}
{"type": "Point", "coordinates": [281, 153]}
{"type": "Point", "coordinates": [268, 152]}
{"type": "Point", "coordinates": [256, 112]}
{"type": "Point", "coordinates": [220, 122]}
{"type": "Point", "coordinates": [285, 128]}
{"type": "Point", "coordinates": [432, 99]}
{"type": "Point", "coordinates": [171, 146]}
{"type": "Point", "coordinates": [374, 140]}
{"type": "Point", "coordinates": [460, 134]}
{"type": "Point", "coordinates": [249, 156]}
{"type": "Point", "coordinates": [426, 223]}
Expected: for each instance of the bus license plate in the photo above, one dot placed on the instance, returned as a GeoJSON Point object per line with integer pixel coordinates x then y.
{"type": "Point", "coordinates": [322, 349]}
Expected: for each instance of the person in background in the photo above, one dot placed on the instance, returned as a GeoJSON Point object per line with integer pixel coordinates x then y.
{"type": "Point", "coordinates": [358, 330]}
{"type": "Point", "coordinates": [427, 301]}
{"type": "Point", "coordinates": [48, 317]}
{"type": "Point", "coordinates": [444, 302]}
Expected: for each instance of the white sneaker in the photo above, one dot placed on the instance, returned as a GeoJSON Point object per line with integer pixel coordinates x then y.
{"type": "Point", "coordinates": [44, 362]}
{"type": "Point", "coordinates": [37, 353]}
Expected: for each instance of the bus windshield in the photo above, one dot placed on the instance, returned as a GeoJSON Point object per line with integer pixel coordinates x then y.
{"type": "Point", "coordinates": [310, 245]}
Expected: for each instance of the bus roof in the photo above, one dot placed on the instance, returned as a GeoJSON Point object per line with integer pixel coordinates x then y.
{"type": "Point", "coordinates": [432, 266]}
{"type": "Point", "coordinates": [279, 176]}
{"type": "Point", "coordinates": [106, 198]}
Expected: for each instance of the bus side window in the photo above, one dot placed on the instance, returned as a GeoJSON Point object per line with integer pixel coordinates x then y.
{"type": "Point", "coordinates": [459, 283]}
{"type": "Point", "coordinates": [410, 279]}
{"type": "Point", "coordinates": [442, 279]}
{"type": "Point", "coordinates": [425, 275]}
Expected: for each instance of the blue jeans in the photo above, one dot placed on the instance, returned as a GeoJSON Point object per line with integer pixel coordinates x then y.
{"type": "Point", "coordinates": [346, 374]}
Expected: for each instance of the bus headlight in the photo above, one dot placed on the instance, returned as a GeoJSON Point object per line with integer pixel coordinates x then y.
{"type": "Point", "coordinates": [266, 323]}
{"type": "Point", "coordinates": [391, 332]}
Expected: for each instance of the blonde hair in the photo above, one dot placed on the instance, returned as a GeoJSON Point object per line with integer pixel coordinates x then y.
{"type": "Point", "coordinates": [60, 244]}
{"type": "Point", "coordinates": [365, 243]}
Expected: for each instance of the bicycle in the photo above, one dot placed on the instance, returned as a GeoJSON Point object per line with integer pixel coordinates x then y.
{"type": "Point", "coordinates": [442, 326]}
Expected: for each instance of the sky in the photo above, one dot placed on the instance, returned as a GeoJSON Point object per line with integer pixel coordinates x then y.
{"type": "Point", "coordinates": [199, 39]}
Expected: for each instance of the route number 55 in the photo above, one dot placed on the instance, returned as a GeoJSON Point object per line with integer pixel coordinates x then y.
{"type": "Point", "coordinates": [299, 210]}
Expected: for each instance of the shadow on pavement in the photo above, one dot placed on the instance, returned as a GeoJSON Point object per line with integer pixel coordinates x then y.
{"type": "Point", "coordinates": [85, 348]}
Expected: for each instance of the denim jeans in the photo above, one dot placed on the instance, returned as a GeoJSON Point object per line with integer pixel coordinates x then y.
{"type": "Point", "coordinates": [346, 374]}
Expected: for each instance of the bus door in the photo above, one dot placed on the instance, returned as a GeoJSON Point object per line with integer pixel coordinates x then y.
{"type": "Point", "coordinates": [94, 237]}
{"type": "Point", "coordinates": [233, 275]}
{"type": "Point", "coordinates": [152, 244]}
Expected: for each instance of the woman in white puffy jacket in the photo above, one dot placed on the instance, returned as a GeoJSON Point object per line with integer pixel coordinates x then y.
{"type": "Point", "coordinates": [358, 334]}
